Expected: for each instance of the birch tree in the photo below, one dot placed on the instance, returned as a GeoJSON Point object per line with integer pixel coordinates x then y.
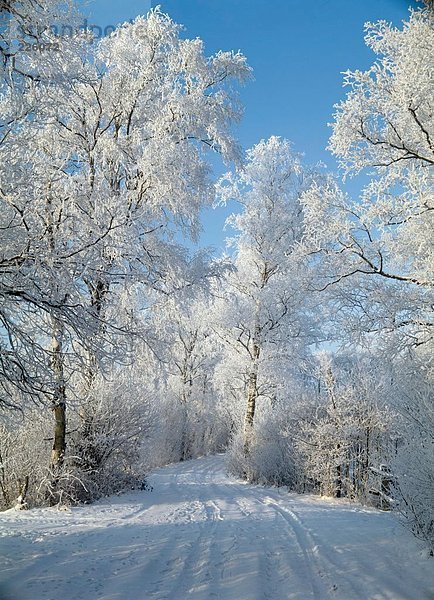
{"type": "Point", "coordinates": [268, 320]}
{"type": "Point", "coordinates": [383, 241]}
{"type": "Point", "coordinates": [98, 173]}
{"type": "Point", "coordinates": [378, 250]}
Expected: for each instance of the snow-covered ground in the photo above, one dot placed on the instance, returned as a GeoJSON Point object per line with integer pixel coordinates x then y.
{"type": "Point", "coordinates": [201, 534]}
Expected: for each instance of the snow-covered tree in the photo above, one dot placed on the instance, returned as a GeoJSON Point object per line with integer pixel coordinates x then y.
{"type": "Point", "coordinates": [188, 354]}
{"type": "Point", "coordinates": [413, 465]}
{"type": "Point", "coordinates": [266, 312]}
{"type": "Point", "coordinates": [98, 172]}
{"type": "Point", "coordinates": [378, 252]}
{"type": "Point", "coordinates": [350, 434]}
{"type": "Point", "coordinates": [383, 240]}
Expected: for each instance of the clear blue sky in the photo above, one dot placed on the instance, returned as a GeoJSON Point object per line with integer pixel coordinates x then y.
{"type": "Point", "coordinates": [297, 49]}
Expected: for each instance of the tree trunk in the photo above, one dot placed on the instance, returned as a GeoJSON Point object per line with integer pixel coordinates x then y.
{"type": "Point", "coordinates": [3, 483]}
{"type": "Point", "coordinates": [367, 460]}
{"type": "Point", "coordinates": [59, 410]}
{"type": "Point", "coordinates": [338, 482]}
{"type": "Point", "coordinates": [185, 451]}
{"type": "Point", "coordinates": [187, 390]}
{"type": "Point", "coordinates": [21, 503]}
{"type": "Point", "coordinates": [59, 446]}
{"type": "Point", "coordinates": [187, 375]}
{"type": "Point", "coordinates": [90, 454]}
{"type": "Point", "coordinates": [252, 394]}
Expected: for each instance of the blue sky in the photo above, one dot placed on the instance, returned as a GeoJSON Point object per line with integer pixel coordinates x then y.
{"type": "Point", "coordinates": [297, 49]}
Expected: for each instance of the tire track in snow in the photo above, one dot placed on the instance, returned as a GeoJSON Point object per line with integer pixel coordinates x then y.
{"type": "Point", "coordinates": [206, 536]}
{"type": "Point", "coordinates": [225, 549]}
{"type": "Point", "coordinates": [260, 551]}
{"type": "Point", "coordinates": [332, 577]}
{"type": "Point", "coordinates": [332, 562]}
{"type": "Point", "coordinates": [318, 572]}
{"type": "Point", "coordinates": [172, 562]}
{"type": "Point", "coordinates": [278, 557]}
{"type": "Point", "coordinates": [185, 556]}
{"type": "Point", "coordinates": [266, 563]}
{"type": "Point", "coordinates": [193, 570]}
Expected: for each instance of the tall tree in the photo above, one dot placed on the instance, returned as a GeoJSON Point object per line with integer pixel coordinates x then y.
{"type": "Point", "coordinates": [378, 249]}
{"type": "Point", "coordinates": [98, 172]}
{"type": "Point", "coordinates": [383, 240]}
{"type": "Point", "coordinates": [266, 317]}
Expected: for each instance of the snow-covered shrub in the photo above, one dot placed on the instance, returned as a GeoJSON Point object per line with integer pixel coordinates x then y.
{"type": "Point", "coordinates": [413, 465]}
{"type": "Point", "coordinates": [24, 450]}
{"type": "Point", "coordinates": [163, 444]}
{"type": "Point", "coordinates": [349, 436]}
{"type": "Point", "coordinates": [180, 432]}
{"type": "Point", "coordinates": [104, 446]}
{"type": "Point", "coordinates": [107, 433]}
{"type": "Point", "coordinates": [273, 457]}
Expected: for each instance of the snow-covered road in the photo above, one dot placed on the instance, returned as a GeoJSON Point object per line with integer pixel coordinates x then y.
{"type": "Point", "coordinates": [203, 535]}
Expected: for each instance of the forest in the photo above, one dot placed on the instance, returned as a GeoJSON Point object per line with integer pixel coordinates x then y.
{"type": "Point", "coordinates": [304, 351]}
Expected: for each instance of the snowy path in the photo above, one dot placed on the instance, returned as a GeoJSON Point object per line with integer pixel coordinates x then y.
{"type": "Point", "coordinates": [203, 535]}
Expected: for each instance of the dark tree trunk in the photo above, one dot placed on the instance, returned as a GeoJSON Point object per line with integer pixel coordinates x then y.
{"type": "Point", "coordinates": [59, 411]}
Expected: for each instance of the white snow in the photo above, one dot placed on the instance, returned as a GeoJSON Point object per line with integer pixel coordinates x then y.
{"type": "Point", "coordinates": [204, 535]}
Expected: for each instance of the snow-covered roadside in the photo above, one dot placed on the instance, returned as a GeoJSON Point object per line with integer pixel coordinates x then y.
{"type": "Point", "coordinates": [201, 534]}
